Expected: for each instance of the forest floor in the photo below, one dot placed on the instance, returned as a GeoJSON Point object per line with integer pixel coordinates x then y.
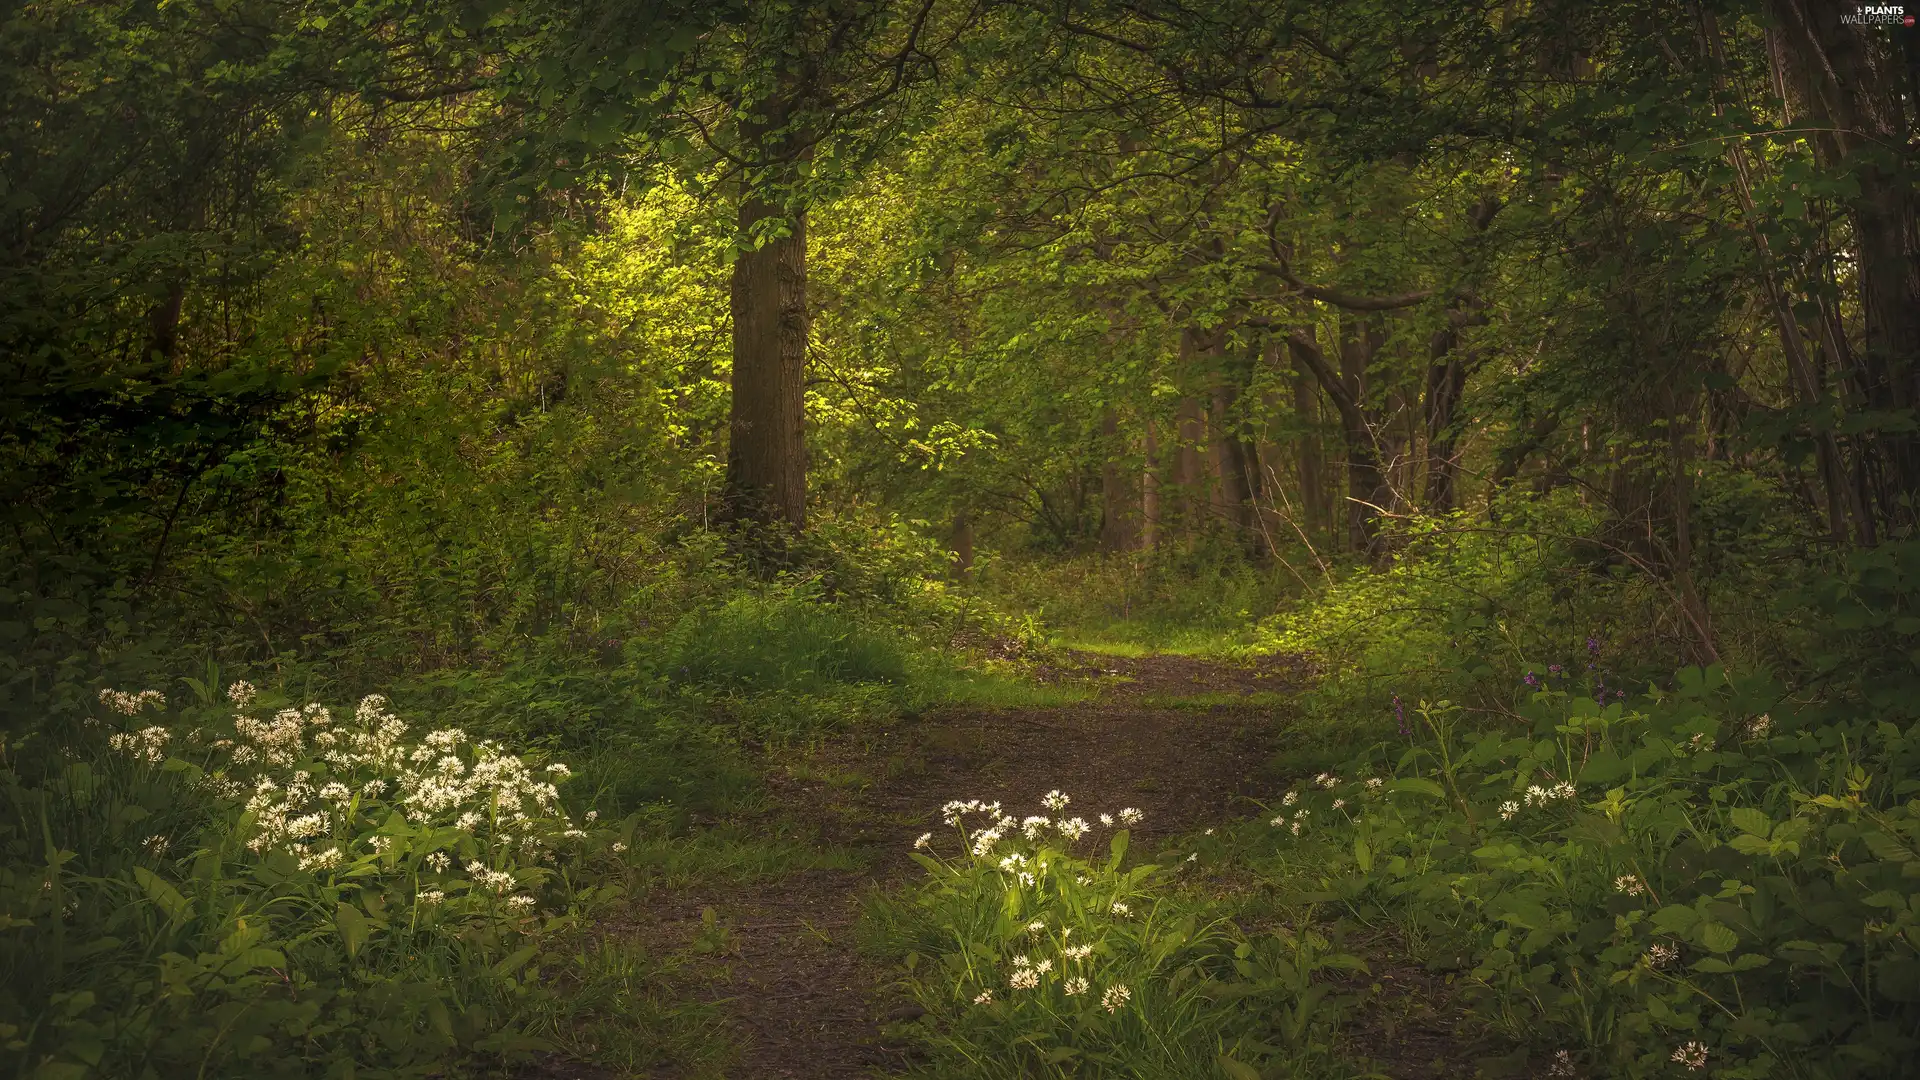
{"type": "Point", "coordinates": [1184, 739]}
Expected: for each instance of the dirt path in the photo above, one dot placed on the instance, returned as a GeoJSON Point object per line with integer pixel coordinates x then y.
{"type": "Point", "coordinates": [803, 1001]}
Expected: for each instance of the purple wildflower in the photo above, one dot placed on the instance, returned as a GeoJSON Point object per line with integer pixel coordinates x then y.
{"type": "Point", "coordinates": [1553, 669]}
{"type": "Point", "coordinates": [1593, 646]}
{"type": "Point", "coordinates": [1400, 714]}
{"type": "Point", "coordinates": [1530, 680]}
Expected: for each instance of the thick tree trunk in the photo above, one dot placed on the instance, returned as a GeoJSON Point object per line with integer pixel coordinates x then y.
{"type": "Point", "coordinates": [766, 452]}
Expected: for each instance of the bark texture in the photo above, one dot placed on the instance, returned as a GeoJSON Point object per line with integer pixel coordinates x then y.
{"type": "Point", "coordinates": [766, 452]}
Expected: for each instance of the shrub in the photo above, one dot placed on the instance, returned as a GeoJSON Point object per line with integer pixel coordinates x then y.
{"type": "Point", "coordinates": [1035, 953]}
{"type": "Point", "coordinates": [1707, 879]}
{"type": "Point", "coordinates": [237, 892]}
{"type": "Point", "coordinates": [780, 642]}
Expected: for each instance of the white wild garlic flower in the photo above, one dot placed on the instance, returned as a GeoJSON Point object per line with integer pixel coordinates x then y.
{"type": "Point", "coordinates": [1692, 1054]}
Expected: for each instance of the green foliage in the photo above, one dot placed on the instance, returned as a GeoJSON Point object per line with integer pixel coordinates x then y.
{"type": "Point", "coordinates": [1203, 600]}
{"type": "Point", "coordinates": [232, 893]}
{"type": "Point", "coordinates": [1037, 953]}
{"type": "Point", "coordinates": [759, 643]}
{"type": "Point", "coordinates": [1709, 873]}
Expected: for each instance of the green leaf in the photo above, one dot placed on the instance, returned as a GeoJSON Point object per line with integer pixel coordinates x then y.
{"type": "Point", "coordinates": [163, 894]}
{"type": "Point", "coordinates": [1604, 767]}
{"type": "Point", "coordinates": [1117, 847]}
{"type": "Point", "coordinates": [1751, 821]}
{"type": "Point", "coordinates": [515, 961]}
{"type": "Point", "coordinates": [352, 924]}
{"type": "Point", "coordinates": [1237, 1070]}
{"type": "Point", "coordinates": [1418, 785]}
{"type": "Point", "coordinates": [1718, 937]}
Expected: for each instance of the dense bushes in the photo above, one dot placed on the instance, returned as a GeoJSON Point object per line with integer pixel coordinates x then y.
{"type": "Point", "coordinates": [1710, 875]}
{"type": "Point", "coordinates": [232, 892]}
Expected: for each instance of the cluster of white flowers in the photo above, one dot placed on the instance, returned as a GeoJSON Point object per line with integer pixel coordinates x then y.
{"type": "Point", "coordinates": [1075, 986]}
{"type": "Point", "coordinates": [488, 878]}
{"type": "Point", "coordinates": [1760, 726]}
{"type": "Point", "coordinates": [1120, 909]}
{"type": "Point", "coordinates": [1693, 1055]}
{"type": "Point", "coordinates": [954, 811]}
{"type": "Point", "coordinates": [1000, 825]}
{"type": "Point", "coordinates": [1541, 796]}
{"type": "Point", "coordinates": [128, 704]}
{"type": "Point", "coordinates": [443, 779]}
{"type": "Point", "coordinates": [149, 744]}
{"type": "Point", "coordinates": [1562, 1064]}
{"type": "Point", "coordinates": [1660, 955]}
{"type": "Point", "coordinates": [1299, 823]}
{"type": "Point", "coordinates": [1629, 884]}
{"type": "Point", "coordinates": [1327, 780]}
{"type": "Point", "coordinates": [328, 859]}
{"type": "Point", "coordinates": [1508, 809]}
{"type": "Point", "coordinates": [1115, 996]}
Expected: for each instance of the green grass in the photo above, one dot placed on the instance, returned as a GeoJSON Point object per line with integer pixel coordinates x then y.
{"type": "Point", "coordinates": [1259, 699]}
{"type": "Point", "coordinates": [731, 853]}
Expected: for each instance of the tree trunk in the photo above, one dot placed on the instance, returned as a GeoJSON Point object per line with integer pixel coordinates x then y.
{"type": "Point", "coordinates": [1365, 483]}
{"type": "Point", "coordinates": [1116, 492]}
{"type": "Point", "coordinates": [1310, 457]}
{"type": "Point", "coordinates": [766, 454]}
{"type": "Point", "coordinates": [1189, 468]}
{"type": "Point", "coordinates": [1367, 488]}
{"type": "Point", "coordinates": [1851, 83]}
{"type": "Point", "coordinates": [1233, 491]}
{"type": "Point", "coordinates": [1446, 382]}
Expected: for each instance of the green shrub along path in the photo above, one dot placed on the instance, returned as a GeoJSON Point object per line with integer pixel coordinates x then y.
{"type": "Point", "coordinates": [797, 959]}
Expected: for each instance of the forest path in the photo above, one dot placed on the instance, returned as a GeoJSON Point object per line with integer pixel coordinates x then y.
{"type": "Point", "coordinates": [1178, 737]}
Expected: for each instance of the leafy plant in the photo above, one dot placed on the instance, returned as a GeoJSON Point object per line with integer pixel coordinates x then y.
{"type": "Point", "coordinates": [1035, 954]}
{"type": "Point", "coordinates": [1707, 878]}
{"type": "Point", "coordinates": [235, 892]}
